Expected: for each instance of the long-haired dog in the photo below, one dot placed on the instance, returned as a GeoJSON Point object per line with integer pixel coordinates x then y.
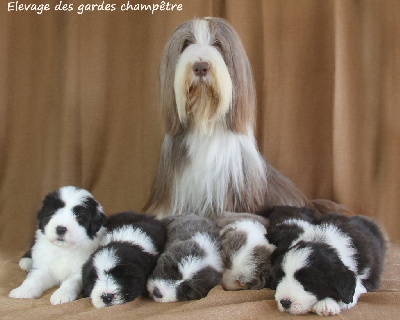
{"type": "Point", "coordinates": [245, 251]}
{"type": "Point", "coordinates": [191, 264]}
{"type": "Point", "coordinates": [331, 261]}
{"type": "Point", "coordinates": [209, 159]}
{"type": "Point", "coordinates": [70, 226]}
{"type": "Point", "coordinates": [118, 271]}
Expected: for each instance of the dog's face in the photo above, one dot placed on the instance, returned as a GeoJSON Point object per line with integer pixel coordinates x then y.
{"type": "Point", "coordinates": [246, 256]}
{"type": "Point", "coordinates": [69, 216]}
{"type": "Point", "coordinates": [111, 277]}
{"type": "Point", "coordinates": [309, 272]}
{"type": "Point", "coordinates": [184, 272]}
{"type": "Point", "coordinates": [205, 78]}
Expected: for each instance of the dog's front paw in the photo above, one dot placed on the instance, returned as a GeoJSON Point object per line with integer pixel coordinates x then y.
{"type": "Point", "coordinates": [25, 264]}
{"type": "Point", "coordinates": [62, 296]}
{"type": "Point", "coordinates": [326, 307]}
{"type": "Point", "coordinates": [22, 293]}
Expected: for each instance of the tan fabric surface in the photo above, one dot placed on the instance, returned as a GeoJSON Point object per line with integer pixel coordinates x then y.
{"type": "Point", "coordinates": [78, 105]}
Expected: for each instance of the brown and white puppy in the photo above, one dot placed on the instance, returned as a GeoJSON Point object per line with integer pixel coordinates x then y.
{"type": "Point", "coordinates": [245, 251]}
{"type": "Point", "coordinates": [209, 161]}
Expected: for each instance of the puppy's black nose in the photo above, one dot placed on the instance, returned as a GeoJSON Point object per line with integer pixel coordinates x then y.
{"type": "Point", "coordinates": [201, 68]}
{"type": "Point", "coordinates": [286, 303]}
{"type": "Point", "coordinates": [107, 297]}
{"type": "Point", "coordinates": [157, 293]}
{"type": "Point", "coordinates": [61, 230]}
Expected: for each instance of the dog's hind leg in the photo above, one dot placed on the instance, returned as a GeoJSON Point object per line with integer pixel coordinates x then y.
{"type": "Point", "coordinates": [25, 263]}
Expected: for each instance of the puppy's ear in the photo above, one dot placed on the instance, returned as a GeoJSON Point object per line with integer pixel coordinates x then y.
{"type": "Point", "coordinates": [89, 277]}
{"type": "Point", "coordinates": [344, 282]}
{"type": "Point", "coordinates": [266, 211]}
{"type": "Point", "coordinates": [50, 203]}
{"type": "Point", "coordinates": [40, 215]}
{"type": "Point", "coordinates": [277, 272]}
{"type": "Point", "coordinates": [97, 214]}
{"type": "Point", "coordinates": [283, 235]}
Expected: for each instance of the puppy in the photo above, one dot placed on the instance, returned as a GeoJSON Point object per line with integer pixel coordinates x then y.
{"type": "Point", "coordinates": [245, 251]}
{"type": "Point", "coordinates": [117, 272]}
{"type": "Point", "coordinates": [70, 225]}
{"type": "Point", "coordinates": [209, 161]}
{"type": "Point", "coordinates": [191, 264]}
{"type": "Point", "coordinates": [328, 265]}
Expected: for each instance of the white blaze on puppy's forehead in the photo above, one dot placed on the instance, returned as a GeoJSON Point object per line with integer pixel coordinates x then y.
{"type": "Point", "coordinates": [297, 222]}
{"type": "Point", "coordinates": [105, 259]}
{"type": "Point", "coordinates": [190, 265]}
{"type": "Point", "coordinates": [211, 248]}
{"type": "Point", "coordinates": [73, 196]}
{"type": "Point", "coordinates": [294, 260]}
{"type": "Point", "coordinates": [201, 31]}
{"type": "Point", "coordinates": [132, 235]}
{"type": "Point", "coordinates": [332, 236]}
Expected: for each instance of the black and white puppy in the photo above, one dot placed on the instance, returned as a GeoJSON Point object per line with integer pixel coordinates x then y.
{"type": "Point", "coordinates": [245, 251]}
{"type": "Point", "coordinates": [191, 264]}
{"type": "Point", "coordinates": [70, 225]}
{"type": "Point", "coordinates": [328, 265]}
{"type": "Point", "coordinates": [118, 271]}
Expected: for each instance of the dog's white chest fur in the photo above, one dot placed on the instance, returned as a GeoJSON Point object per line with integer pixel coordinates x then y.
{"type": "Point", "coordinates": [208, 177]}
{"type": "Point", "coordinates": [60, 262]}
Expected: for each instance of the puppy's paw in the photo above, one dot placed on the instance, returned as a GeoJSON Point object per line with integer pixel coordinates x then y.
{"type": "Point", "coordinates": [62, 296]}
{"type": "Point", "coordinates": [25, 264]}
{"type": "Point", "coordinates": [326, 307]}
{"type": "Point", "coordinates": [22, 293]}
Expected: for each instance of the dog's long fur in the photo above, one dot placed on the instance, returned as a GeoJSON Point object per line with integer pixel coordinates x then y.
{"type": "Point", "coordinates": [69, 229]}
{"type": "Point", "coordinates": [209, 159]}
{"type": "Point", "coordinates": [323, 263]}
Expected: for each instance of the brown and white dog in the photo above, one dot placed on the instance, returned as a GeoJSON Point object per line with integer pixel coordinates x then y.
{"type": "Point", "coordinates": [210, 162]}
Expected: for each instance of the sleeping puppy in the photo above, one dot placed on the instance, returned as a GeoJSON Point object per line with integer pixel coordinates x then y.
{"type": "Point", "coordinates": [191, 264]}
{"type": "Point", "coordinates": [245, 251]}
{"type": "Point", "coordinates": [118, 271]}
{"type": "Point", "coordinates": [69, 230]}
{"type": "Point", "coordinates": [329, 265]}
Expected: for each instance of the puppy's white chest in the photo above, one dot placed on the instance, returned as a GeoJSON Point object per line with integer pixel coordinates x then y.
{"type": "Point", "coordinates": [60, 262]}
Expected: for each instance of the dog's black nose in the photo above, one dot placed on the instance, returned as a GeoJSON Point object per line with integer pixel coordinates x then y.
{"type": "Point", "coordinates": [201, 68]}
{"type": "Point", "coordinates": [157, 293]}
{"type": "Point", "coordinates": [107, 297]}
{"type": "Point", "coordinates": [286, 303]}
{"type": "Point", "coordinates": [61, 230]}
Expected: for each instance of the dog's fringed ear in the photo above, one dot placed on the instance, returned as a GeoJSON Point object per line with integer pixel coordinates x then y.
{"type": "Point", "coordinates": [50, 203]}
{"type": "Point", "coordinates": [282, 236]}
{"type": "Point", "coordinates": [98, 216]}
{"type": "Point", "coordinates": [40, 215]}
{"type": "Point", "coordinates": [166, 76]}
{"type": "Point", "coordinates": [344, 283]}
{"type": "Point", "coordinates": [241, 115]}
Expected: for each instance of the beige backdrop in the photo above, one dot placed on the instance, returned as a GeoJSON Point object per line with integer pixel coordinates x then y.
{"type": "Point", "coordinates": [78, 102]}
